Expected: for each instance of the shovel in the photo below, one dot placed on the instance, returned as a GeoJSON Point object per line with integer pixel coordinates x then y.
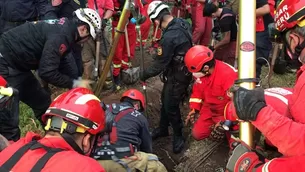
{"type": "Point", "coordinates": [132, 74]}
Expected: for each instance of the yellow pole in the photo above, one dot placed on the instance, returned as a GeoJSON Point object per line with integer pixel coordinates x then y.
{"type": "Point", "coordinates": [247, 59]}
{"type": "Point", "coordinates": [118, 32]}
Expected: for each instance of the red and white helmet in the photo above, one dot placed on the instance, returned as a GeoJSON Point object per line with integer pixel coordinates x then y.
{"type": "Point", "coordinates": [289, 13]}
{"type": "Point", "coordinates": [80, 107]}
{"type": "Point", "coordinates": [154, 9]}
{"type": "Point", "coordinates": [92, 18]}
{"type": "Point", "coordinates": [196, 57]}
{"type": "Point", "coordinates": [134, 95]}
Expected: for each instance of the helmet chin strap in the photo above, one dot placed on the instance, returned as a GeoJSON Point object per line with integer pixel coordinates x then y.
{"type": "Point", "coordinates": [298, 49]}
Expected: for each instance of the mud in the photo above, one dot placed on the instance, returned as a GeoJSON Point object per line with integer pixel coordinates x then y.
{"type": "Point", "coordinates": [189, 160]}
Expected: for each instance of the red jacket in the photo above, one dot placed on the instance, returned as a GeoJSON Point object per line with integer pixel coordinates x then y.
{"type": "Point", "coordinates": [210, 92]}
{"type": "Point", "coordinates": [102, 5]}
{"type": "Point", "coordinates": [278, 98]}
{"type": "Point", "coordinates": [275, 126]}
{"type": "Point", "coordinates": [283, 164]}
{"type": "Point", "coordinates": [68, 160]}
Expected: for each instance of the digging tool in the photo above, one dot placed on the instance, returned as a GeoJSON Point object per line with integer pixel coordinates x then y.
{"type": "Point", "coordinates": [246, 59]}
{"type": "Point", "coordinates": [118, 32]}
{"type": "Point", "coordinates": [153, 40]}
{"type": "Point", "coordinates": [275, 53]}
{"type": "Point", "coordinates": [132, 74]}
{"type": "Point", "coordinates": [138, 28]}
{"type": "Point", "coordinates": [97, 54]}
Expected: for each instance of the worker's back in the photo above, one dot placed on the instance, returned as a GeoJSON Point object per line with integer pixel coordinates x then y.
{"type": "Point", "coordinates": [65, 160]}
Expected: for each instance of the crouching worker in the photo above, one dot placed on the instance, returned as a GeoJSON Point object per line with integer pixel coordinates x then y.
{"type": "Point", "coordinates": [213, 79]}
{"type": "Point", "coordinates": [72, 121]}
{"type": "Point", "coordinates": [127, 144]}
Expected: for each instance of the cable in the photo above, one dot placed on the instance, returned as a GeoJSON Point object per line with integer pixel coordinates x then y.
{"type": "Point", "coordinates": [269, 70]}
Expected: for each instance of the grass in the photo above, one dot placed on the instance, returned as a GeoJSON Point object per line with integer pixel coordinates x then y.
{"type": "Point", "coordinates": [28, 122]}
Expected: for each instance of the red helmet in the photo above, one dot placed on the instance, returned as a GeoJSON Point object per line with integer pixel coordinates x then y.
{"type": "Point", "coordinates": [3, 82]}
{"type": "Point", "coordinates": [196, 57]}
{"type": "Point", "coordinates": [135, 95]}
{"type": "Point", "coordinates": [79, 106]}
{"type": "Point", "coordinates": [229, 112]}
{"type": "Point", "coordinates": [289, 13]}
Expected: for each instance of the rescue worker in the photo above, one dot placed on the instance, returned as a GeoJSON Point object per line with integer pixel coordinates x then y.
{"type": "Point", "coordinates": [225, 49]}
{"type": "Point", "coordinates": [9, 105]}
{"type": "Point", "coordinates": [174, 43]}
{"type": "Point", "coordinates": [105, 9]}
{"type": "Point", "coordinates": [202, 26]}
{"type": "Point", "coordinates": [41, 46]}
{"type": "Point", "coordinates": [57, 9]}
{"type": "Point", "coordinates": [14, 13]}
{"type": "Point", "coordinates": [251, 105]}
{"type": "Point", "coordinates": [145, 27]}
{"type": "Point", "coordinates": [127, 135]}
{"type": "Point", "coordinates": [263, 43]}
{"type": "Point", "coordinates": [72, 122]}
{"type": "Point", "coordinates": [121, 59]}
{"type": "Point", "coordinates": [213, 80]}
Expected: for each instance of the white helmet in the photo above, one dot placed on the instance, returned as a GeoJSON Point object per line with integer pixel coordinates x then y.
{"type": "Point", "coordinates": [155, 8]}
{"type": "Point", "coordinates": [91, 17]}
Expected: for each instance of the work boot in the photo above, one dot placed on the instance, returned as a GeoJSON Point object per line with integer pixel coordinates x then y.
{"type": "Point", "coordinates": [108, 83]}
{"type": "Point", "coordinates": [117, 83]}
{"type": "Point", "coordinates": [178, 144]}
{"type": "Point", "coordinates": [159, 132]}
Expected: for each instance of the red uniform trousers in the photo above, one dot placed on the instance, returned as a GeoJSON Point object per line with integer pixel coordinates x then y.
{"type": "Point", "coordinates": [120, 59]}
{"type": "Point", "coordinates": [145, 27]}
{"type": "Point", "coordinates": [203, 126]}
{"type": "Point", "coordinates": [202, 26]}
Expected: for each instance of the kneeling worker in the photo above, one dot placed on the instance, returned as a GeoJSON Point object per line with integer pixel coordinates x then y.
{"type": "Point", "coordinates": [127, 144]}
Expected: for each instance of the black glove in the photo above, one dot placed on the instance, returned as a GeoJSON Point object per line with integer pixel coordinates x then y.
{"type": "Point", "coordinates": [248, 102]}
{"type": "Point", "coordinates": [178, 3]}
{"type": "Point", "coordinates": [211, 48]}
{"type": "Point", "coordinates": [216, 29]}
{"type": "Point", "coordinates": [244, 158]}
{"type": "Point", "coordinates": [104, 23]}
{"type": "Point", "coordinates": [218, 132]}
{"type": "Point", "coordinates": [117, 15]}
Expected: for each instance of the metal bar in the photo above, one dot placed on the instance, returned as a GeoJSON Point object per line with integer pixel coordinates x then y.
{"type": "Point", "coordinates": [246, 60]}
{"type": "Point", "coordinates": [118, 32]}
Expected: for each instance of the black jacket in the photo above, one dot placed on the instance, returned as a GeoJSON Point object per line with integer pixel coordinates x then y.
{"type": "Point", "coordinates": [175, 42]}
{"type": "Point", "coordinates": [40, 45]}
{"type": "Point", "coordinates": [22, 10]}
{"type": "Point", "coordinates": [132, 128]}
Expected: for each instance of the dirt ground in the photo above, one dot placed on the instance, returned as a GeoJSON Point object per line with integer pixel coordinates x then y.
{"type": "Point", "coordinates": [163, 146]}
{"type": "Point", "coordinates": [203, 156]}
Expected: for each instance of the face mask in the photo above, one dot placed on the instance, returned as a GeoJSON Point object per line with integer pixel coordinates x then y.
{"type": "Point", "coordinates": [198, 75]}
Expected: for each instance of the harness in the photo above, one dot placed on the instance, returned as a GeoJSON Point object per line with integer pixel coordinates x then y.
{"type": "Point", "coordinates": [108, 150]}
{"type": "Point", "coordinates": [33, 145]}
